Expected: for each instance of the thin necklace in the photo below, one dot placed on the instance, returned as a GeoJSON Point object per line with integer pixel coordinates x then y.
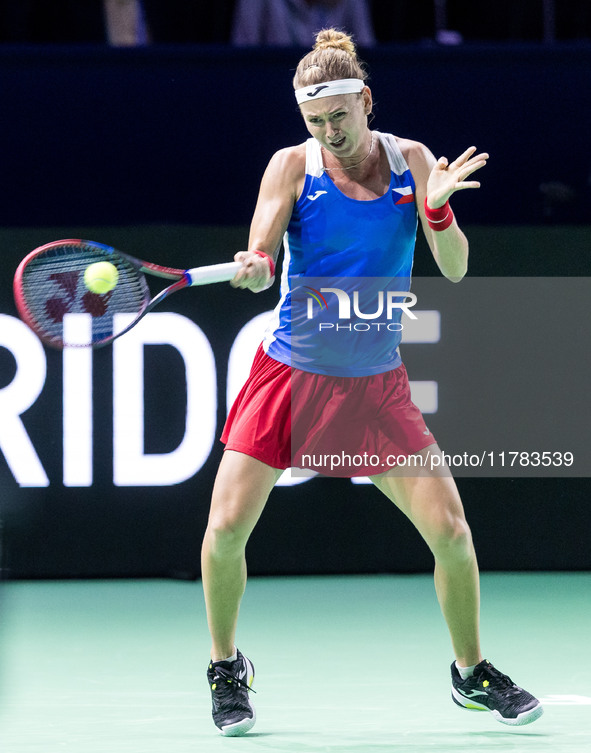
{"type": "Point", "coordinates": [350, 167]}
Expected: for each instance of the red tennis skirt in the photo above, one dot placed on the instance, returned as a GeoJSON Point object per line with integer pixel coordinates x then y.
{"type": "Point", "coordinates": [336, 426]}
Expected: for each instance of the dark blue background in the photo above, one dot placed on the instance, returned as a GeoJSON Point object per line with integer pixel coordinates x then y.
{"type": "Point", "coordinates": [182, 134]}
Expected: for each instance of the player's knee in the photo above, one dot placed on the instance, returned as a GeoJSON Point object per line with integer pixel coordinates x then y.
{"type": "Point", "coordinates": [225, 538]}
{"type": "Point", "coordinates": [453, 542]}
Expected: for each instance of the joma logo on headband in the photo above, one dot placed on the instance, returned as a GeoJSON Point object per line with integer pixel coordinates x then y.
{"type": "Point", "coordinates": [317, 89]}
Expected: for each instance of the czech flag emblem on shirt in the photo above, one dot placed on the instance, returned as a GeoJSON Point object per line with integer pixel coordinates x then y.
{"type": "Point", "coordinates": [403, 195]}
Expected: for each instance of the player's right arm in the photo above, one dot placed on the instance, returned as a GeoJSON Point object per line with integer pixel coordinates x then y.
{"type": "Point", "coordinates": [280, 187]}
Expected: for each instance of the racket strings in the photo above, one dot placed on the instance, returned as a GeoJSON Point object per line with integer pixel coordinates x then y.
{"type": "Point", "coordinates": [53, 286]}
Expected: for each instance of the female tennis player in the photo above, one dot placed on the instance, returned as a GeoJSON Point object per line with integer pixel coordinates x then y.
{"type": "Point", "coordinates": [345, 203]}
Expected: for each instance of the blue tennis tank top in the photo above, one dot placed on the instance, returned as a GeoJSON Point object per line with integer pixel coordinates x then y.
{"type": "Point", "coordinates": [331, 242]}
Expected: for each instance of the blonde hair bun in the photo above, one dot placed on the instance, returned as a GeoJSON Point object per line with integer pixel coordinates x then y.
{"type": "Point", "coordinates": [333, 57]}
{"type": "Point", "coordinates": [336, 40]}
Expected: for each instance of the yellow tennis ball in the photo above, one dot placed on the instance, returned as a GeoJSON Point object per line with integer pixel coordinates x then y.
{"type": "Point", "coordinates": [101, 277]}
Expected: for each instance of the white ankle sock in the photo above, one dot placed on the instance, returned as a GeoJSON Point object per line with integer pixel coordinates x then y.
{"type": "Point", "coordinates": [231, 658]}
{"type": "Point", "coordinates": [465, 672]}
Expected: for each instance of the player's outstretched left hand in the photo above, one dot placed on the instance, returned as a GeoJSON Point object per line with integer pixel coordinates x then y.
{"type": "Point", "coordinates": [447, 178]}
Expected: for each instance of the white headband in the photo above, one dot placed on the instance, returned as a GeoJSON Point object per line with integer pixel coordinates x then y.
{"type": "Point", "coordinates": [329, 89]}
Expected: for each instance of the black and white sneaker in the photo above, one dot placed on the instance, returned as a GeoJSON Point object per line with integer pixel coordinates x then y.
{"type": "Point", "coordinates": [230, 684]}
{"type": "Point", "coordinates": [491, 690]}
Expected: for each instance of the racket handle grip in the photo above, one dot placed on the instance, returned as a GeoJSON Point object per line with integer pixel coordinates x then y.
{"type": "Point", "coordinates": [213, 273]}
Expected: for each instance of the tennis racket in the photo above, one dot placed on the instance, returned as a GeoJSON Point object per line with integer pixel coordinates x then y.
{"type": "Point", "coordinates": [49, 285]}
